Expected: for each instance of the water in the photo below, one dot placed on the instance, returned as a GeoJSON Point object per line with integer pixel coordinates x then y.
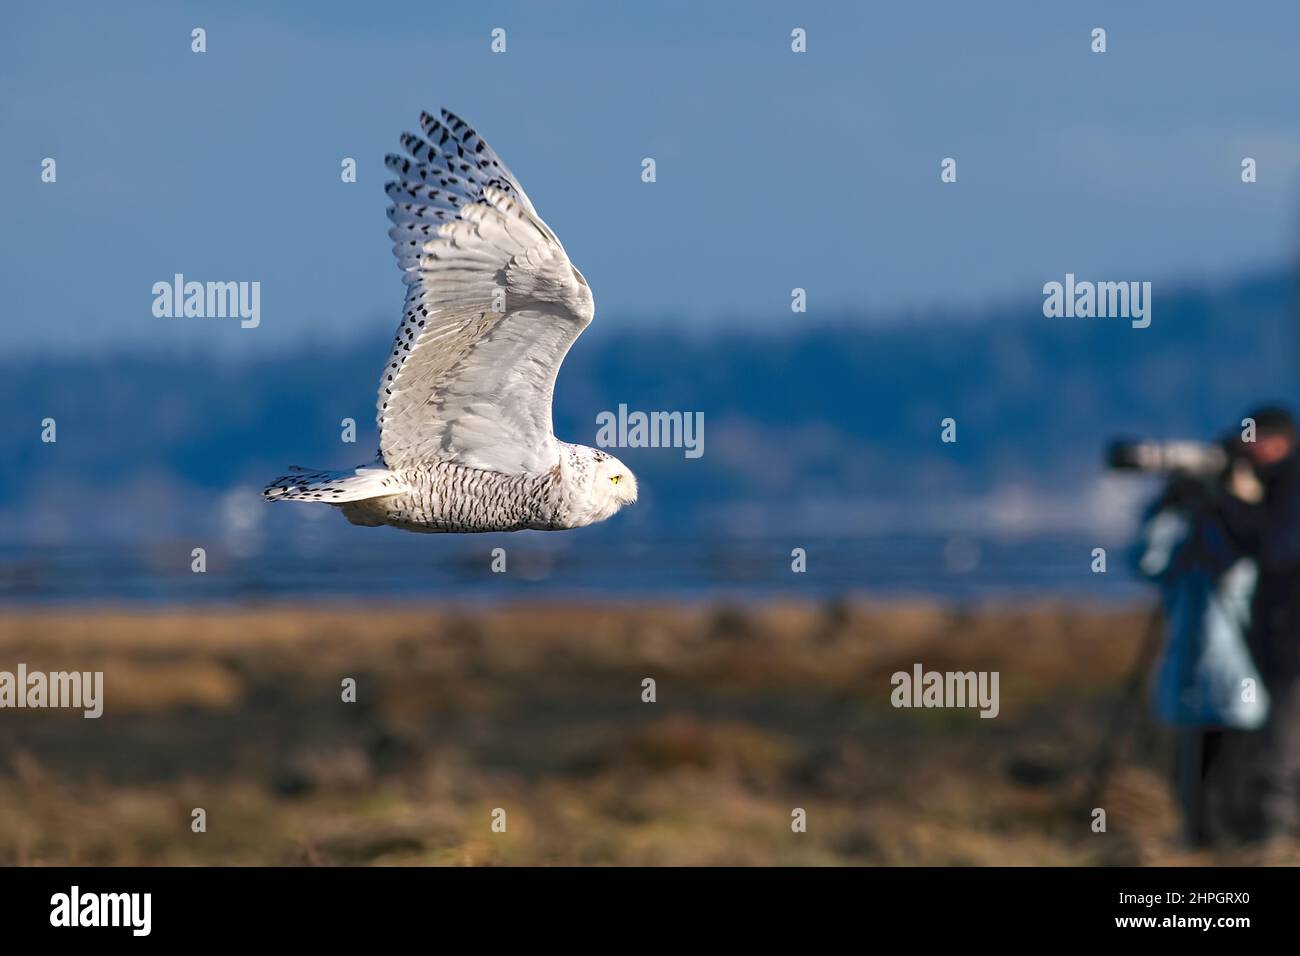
{"type": "Point", "coordinates": [369, 565]}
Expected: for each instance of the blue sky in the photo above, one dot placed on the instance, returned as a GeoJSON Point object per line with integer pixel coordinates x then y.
{"type": "Point", "coordinates": [775, 170]}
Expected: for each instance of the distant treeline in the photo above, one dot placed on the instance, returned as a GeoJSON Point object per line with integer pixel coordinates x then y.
{"type": "Point", "coordinates": [836, 408]}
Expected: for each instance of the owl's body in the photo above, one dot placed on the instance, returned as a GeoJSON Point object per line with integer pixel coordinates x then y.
{"type": "Point", "coordinates": [464, 410]}
{"type": "Point", "coordinates": [443, 497]}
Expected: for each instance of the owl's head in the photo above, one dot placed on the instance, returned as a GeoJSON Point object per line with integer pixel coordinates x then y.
{"type": "Point", "coordinates": [596, 485]}
{"type": "Point", "coordinates": [614, 481]}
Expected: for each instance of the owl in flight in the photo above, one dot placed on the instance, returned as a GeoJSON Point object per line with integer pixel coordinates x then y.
{"type": "Point", "coordinates": [464, 410]}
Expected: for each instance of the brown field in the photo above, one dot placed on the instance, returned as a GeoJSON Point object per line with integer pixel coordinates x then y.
{"type": "Point", "coordinates": [538, 710]}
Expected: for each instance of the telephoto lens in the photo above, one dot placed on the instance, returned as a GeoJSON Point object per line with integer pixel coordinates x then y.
{"type": "Point", "coordinates": [1167, 457]}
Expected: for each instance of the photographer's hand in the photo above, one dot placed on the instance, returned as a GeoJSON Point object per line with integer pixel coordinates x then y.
{"type": "Point", "coordinates": [1243, 483]}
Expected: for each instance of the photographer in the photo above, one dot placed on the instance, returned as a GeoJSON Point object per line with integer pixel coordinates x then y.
{"type": "Point", "coordinates": [1262, 514]}
{"type": "Point", "coordinates": [1207, 581]}
{"type": "Point", "coordinates": [1223, 541]}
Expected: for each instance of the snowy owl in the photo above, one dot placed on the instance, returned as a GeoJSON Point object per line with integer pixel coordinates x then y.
{"type": "Point", "coordinates": [464, 410]}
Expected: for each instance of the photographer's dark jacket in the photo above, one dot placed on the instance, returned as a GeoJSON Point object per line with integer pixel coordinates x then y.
{"type": "Point", "coordinates": [1270, 532]}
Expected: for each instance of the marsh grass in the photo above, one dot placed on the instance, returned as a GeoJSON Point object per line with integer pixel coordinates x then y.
{"type": "Point", "coordinates": [538, 710]}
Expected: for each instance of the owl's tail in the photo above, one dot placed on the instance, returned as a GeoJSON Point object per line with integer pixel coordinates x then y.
{"type": "Point", "coordinates": [335, 487]}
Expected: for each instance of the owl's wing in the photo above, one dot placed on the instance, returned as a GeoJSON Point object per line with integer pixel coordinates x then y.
{"type": "Point", "coordinates": [492, 306]}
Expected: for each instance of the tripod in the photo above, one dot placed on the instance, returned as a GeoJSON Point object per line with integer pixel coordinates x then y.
{"type": "Point", "coordinates": [1129, 702]}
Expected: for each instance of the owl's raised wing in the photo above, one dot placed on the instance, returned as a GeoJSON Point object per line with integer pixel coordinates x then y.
{"type": "Point", "coordinates": [492, 306]}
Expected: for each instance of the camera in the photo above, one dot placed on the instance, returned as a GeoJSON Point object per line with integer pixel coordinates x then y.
{"type": "Point", "coordinates": [1190, 458]}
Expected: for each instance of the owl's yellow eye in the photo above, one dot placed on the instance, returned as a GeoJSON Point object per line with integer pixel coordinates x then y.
{"type": "Point", "coordinates": [615, 478]}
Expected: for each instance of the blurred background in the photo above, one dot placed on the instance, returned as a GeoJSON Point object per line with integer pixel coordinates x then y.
{"type": "Point", "coordinates": [775, 171]}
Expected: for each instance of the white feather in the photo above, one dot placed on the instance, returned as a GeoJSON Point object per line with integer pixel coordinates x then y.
{"type": "Point", "coordinates": [493, 305]}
